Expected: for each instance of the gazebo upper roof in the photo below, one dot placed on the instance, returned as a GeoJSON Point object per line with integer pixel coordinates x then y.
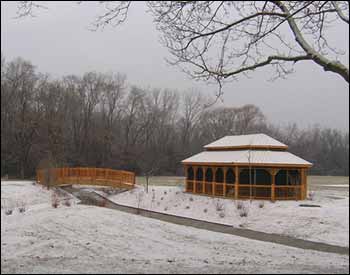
{"type": "Point", "coordinates": [254, 141]}
{"type": "Point", "coordinates": [257, 149]}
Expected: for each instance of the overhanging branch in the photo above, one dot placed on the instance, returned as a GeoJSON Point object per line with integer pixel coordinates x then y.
{"type": "Point", "coordinates": [267, 62]}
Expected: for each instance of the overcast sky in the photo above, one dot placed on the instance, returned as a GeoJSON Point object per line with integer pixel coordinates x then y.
{"type": "Point", "coordinates": [58, 42]}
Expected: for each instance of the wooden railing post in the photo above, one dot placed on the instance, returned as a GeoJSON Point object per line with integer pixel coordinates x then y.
{"type": "Point", "coordinates": [203, 179]}
{"type": "Point", "coordinates": [186, 176]}
{"type": "Point", "coordinates": [194, 179]}
{"type": "Point", "coordinates": [236, 182]}
{"type": "Point", "coordinates": [213, 181]}
{"type": "Point", "coordinates": [106, 176]}
{"type": "Point", "coordinates": [224, 186]}
{"type": "Point", "coordinates": [273, 185]}
{"type": "Point", "coordinates": [303, 185]}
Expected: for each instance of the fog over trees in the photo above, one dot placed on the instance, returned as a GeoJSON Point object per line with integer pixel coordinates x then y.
{"type": "Point", "coordinates": [101, 120]}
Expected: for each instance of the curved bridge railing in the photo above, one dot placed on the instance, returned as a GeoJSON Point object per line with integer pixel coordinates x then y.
{"type": "Point", "coordinates": [86, 176]}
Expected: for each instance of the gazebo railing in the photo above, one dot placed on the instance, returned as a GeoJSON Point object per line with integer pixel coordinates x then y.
{"type": "Point", "coordinates": [245, 191]}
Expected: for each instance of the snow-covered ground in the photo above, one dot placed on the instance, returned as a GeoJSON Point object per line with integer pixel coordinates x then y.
{"type": "Point", "coordinates": [328, 223]}
{"type": "Point", "coordinates": [88, 239]}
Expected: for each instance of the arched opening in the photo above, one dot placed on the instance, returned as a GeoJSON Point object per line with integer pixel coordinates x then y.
{"type": "Point", "coordinates": [190, 177]}
{"type": "Point", "coordinates": [199, 174]}
{"type": "Point", "coordinates": [230, 181]}
{"type": "Point", "coordinates": [199, 182]}
{"type": "Point", "coordinates": [219, 179]}
{"type": "Point", "coordinates": [244, 176]}
{"type": "Point", "coordinates": [286, 181]}
{"type": "Point", "coordinates": [294, 177]}
{"type": "Point", "coordinates": [262, 177]}
{"type": "Point", "coordinates": [209, 175]}
{"type": "Point", "coordinates": [190, 174]}
{"type": "Point", "coordinates": [219, 175]}
{"type": "Point", "coordinates": [256, 178]}
{"type": "Point", "coordinates": [230, 176]}
{"type": "Point", "coordinates": [281, 177]}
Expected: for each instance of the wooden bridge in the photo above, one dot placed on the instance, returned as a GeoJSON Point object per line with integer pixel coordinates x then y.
{"type": "Point", "coordinates": [86, 176]}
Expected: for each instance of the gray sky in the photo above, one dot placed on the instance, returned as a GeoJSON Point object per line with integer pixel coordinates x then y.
{"type": "Point", "coordinates": [58, 42]}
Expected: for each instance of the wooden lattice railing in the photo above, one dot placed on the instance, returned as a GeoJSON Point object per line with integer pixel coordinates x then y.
{"type": "Point", "coordinates": [245, 191]}
{"type": "Point", "coordinates": [86, 176]}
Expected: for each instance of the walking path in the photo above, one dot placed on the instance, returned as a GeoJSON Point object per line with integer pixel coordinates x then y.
{"type": "Point", "coordinates": [92, 198]}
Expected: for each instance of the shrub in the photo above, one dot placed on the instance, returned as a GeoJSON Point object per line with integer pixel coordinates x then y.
{"type": "Point", "coordinates": [166, 209]}
{"type": "Point", "coordinates": [187, 207]}
{"type": "Point", "coordinates": [161, 198]}
{"type": "Point", "coordinates": [21, 206]}
{"type": "Point", "coordinates": [222, 214]}
{"type": "Point", "coordinates": [243, 211]}
{"type": "Point", "coordinates": [139, 198]}
{"type": "Point", "coordinates": [8, 211]}
{"type": "Point", "coordinates": [21, 209]}
{"type": "Point", "coordinates": [165, 192]}
{"type": "Point", "coordinates": [54, 200]}
{"type": "Point", "coordinates": [261, 204]}
{"type": "Point", "coordinates": [191, 199]}
{"type": "Point", "coordinates": [205, 210]}
{"type": "Point", "coordinates": [67, 202]}
{"type": "Point", "coordinates": [153, 196]}
{"type": "Point", "coordinates": [239, 205]}
{"type": "Point", "coordinates": [219, 206]}
{"type": "Point", "coordinates": [8, 206]}
{"type": "Point", "coordinates": [312, 195]}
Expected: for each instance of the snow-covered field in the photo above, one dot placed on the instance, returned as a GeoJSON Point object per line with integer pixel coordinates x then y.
{"type": "Point", "coordinates": [88, 239]}
{"type": "Point", "coordinates": [328, 223]}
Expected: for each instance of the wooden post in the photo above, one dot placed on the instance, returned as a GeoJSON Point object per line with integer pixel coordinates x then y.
{"type": "Point", "coordinates": [95, 175]}
{"type": "Point", "coordinates": [186, 182]}
{"type": "Point", "coordinates": [236, 182]}
{"type": "Point", "coordinates": [213, 178]}
{"type": "Point", "coordinates": [224, 187]}
{"type": "Point", "coordinates": [273, 174]}
{"type": "Point", "coordinates": [106, 175]}
{"type": "Point", "coordinates": [78, 169]}
{"type": "Point", "coordinates": [194, 179]}
{"type": "Point", "coordinates": [204, 169]}
{"type": "Point", "coordinates": [303, 184]}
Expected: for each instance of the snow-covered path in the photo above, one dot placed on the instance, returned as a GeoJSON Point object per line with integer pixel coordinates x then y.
{"type": "Point", "coordinates": [87, 239]}
{"type": "Point", "coordinates": [327, 224]}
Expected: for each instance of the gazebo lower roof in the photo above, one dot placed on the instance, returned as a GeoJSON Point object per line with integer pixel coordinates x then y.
{"type": "Point", "coordinates": [248, 157]}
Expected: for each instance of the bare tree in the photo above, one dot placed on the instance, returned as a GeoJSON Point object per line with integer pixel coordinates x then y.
{"type": "Point", "coordinates": [111, 108]}
{"type": "Point", "coordinates": [219, 40]}
{"type": "Point", "coordinates": [21, 85]}
{"type": "Point", "coordinates": [97, 120]}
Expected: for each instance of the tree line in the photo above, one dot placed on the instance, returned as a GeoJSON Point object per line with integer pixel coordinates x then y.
{"type": "Point", "coordinates": [99, 120]}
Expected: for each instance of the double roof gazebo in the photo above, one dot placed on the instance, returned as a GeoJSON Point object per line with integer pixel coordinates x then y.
{"type": "Point", "coordinates": [247, 167]}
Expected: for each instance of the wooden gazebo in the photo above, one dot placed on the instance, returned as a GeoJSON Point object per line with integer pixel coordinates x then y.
{"type": "Point", "coordinates": [247, 167]}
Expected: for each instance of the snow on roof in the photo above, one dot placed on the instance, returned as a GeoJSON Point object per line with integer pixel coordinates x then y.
{"type": "Point", "coordinates": [242, 157]}
{"type": "Point", "coordinates": [254, 140]}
